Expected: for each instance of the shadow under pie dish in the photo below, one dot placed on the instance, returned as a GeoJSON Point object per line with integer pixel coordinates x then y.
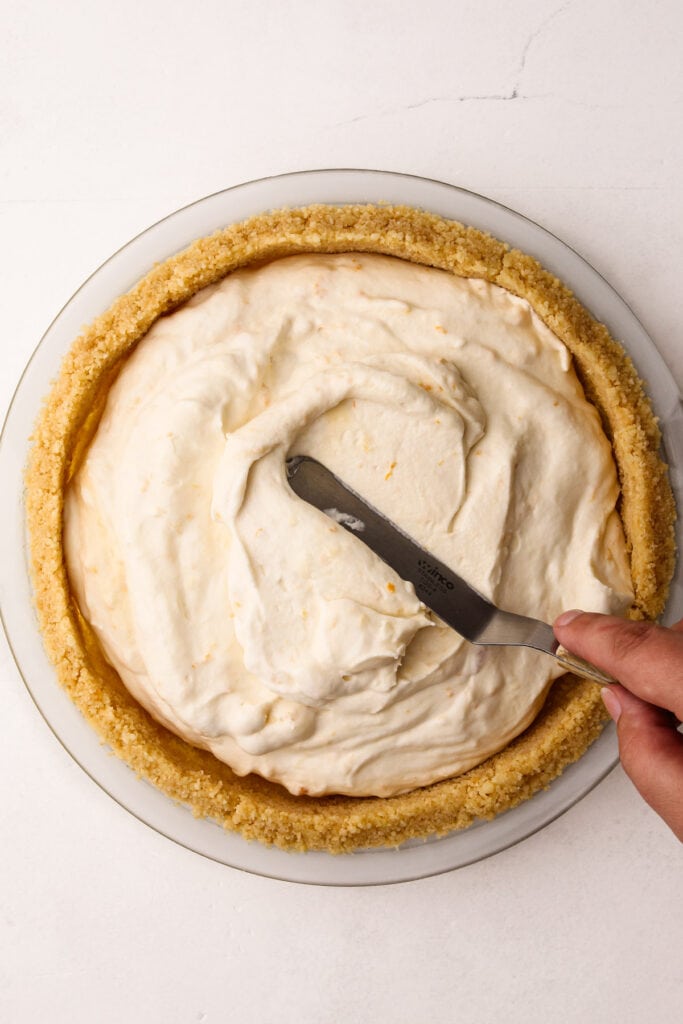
{"type": "Point", "coordinates": [572, 713]}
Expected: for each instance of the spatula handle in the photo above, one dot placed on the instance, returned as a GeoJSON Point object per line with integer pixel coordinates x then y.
{"type": "Point", "coordinates": [582, 668]}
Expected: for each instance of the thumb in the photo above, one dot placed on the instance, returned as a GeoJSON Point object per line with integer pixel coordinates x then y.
{"type": "Point", "coordinates": [646, 658]}
{"type": "Point", "coordinates": [651, 752]}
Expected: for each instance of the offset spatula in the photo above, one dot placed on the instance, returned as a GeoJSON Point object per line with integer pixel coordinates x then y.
{"type": "Point", "coordinates": [437, 586]}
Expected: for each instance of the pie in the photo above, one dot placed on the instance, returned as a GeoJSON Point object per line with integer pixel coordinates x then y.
{"type": "Point", "coordinates": [351, 717]}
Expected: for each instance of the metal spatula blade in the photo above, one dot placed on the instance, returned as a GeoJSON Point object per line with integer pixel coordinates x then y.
{"type": "Point", "coordinates": [454, 601]}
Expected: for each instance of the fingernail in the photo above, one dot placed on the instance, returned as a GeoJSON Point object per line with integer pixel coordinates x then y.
{"type": "Point", "coordinates": [566, 617]}
{"type": "Point", "coordinates": [611, 702]}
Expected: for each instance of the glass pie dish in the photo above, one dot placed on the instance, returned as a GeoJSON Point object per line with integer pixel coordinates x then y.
{"type": "Point", "coordinates": [116, 276]}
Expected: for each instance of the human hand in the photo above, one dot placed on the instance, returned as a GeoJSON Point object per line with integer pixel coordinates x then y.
{"type": "Point", "coordinates": [648, 662]}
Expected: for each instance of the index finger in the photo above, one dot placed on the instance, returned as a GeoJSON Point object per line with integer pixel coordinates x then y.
{"type": "Point", "coordinates": [647, 659]}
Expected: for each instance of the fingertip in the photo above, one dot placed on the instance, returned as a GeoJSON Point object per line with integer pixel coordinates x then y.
{"type": "Point", "coordinates": [611, 702]}
{"type": "Point", "coordinates": [579, 625]}
{"type": "Point", "coordinates": [566, 617]}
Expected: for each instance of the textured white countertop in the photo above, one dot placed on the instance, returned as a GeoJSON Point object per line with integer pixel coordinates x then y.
{"type": "Point", "coordinates": [113, 115]}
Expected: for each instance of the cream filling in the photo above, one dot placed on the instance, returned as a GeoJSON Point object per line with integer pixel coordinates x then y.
{"type": "Point", "coordinates": [252, 624]}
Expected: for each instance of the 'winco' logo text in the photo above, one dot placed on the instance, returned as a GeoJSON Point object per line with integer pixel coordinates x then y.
{"type": "Point", "coordinates": [432, 571]}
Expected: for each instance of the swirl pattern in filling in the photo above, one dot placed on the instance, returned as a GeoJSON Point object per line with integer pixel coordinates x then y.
{"type": "Point", "coordinates": [252, 625]}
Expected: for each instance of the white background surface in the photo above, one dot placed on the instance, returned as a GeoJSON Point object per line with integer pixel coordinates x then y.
{"type": "Point", "coordinates": [111, 116]}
